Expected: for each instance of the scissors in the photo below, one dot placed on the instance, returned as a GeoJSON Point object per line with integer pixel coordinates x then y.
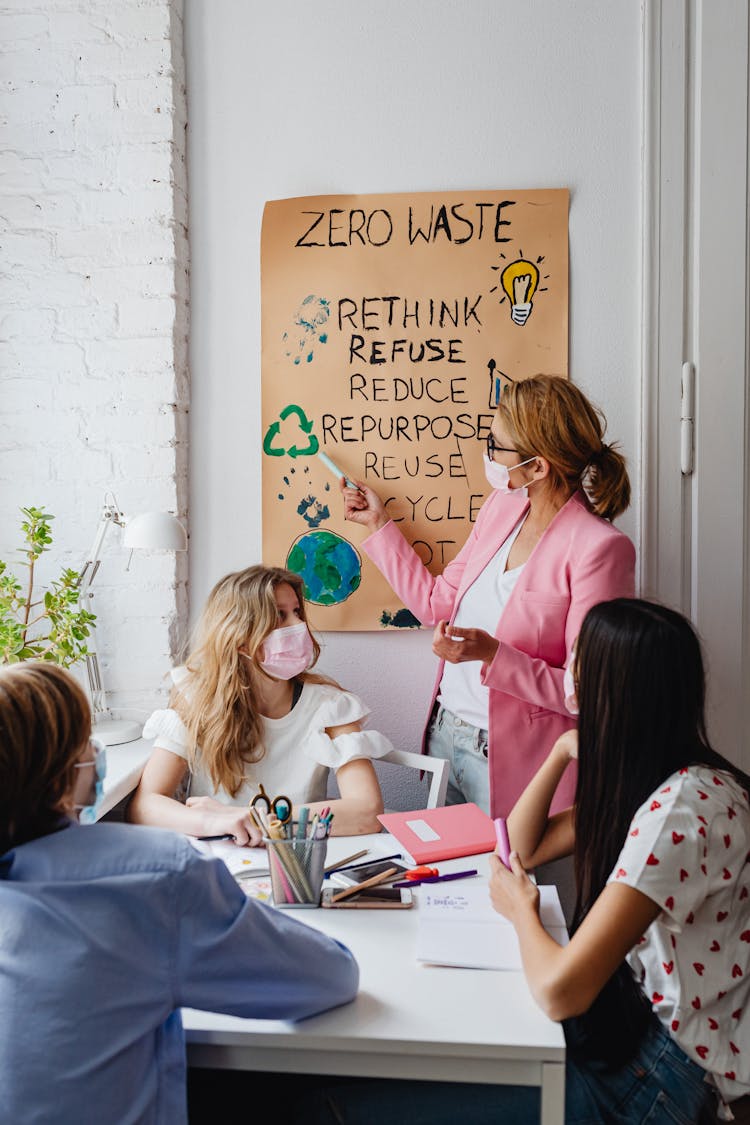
{"type": "Point", "coordinates": [280, 807]}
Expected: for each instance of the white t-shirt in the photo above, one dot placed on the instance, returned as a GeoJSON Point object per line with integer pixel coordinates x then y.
{"type": "Point", "coordinates": [688, 850]}
{"type": "Point", "coordinates": [299, 753]}
{"type": "Point", "coordinates": [481, 607]}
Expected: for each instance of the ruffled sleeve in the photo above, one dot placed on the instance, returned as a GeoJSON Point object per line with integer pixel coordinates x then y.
{"type": "Point", "coordinates": [338, 709]}
{"type": "Point", "coordinates": [169, 732]}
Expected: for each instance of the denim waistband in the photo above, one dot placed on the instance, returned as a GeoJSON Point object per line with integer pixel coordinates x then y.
{"type": "Point", "coordinates": [478, 735]}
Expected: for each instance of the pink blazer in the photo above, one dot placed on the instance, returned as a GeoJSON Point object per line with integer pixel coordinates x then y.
{"type": "Point", "coordinates": [581, 559]}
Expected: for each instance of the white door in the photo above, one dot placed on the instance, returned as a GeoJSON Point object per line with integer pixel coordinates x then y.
{"type": "Point", "coordinates": [696, 530]}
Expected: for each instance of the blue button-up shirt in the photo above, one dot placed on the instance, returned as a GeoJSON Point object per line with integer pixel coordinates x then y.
{"type": "Point", "coordinates": [106, 931]}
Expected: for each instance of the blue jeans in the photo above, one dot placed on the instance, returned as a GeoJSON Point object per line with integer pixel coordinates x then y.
{"type": "Point", "coordinates": [465, 747]}
{"type": "Point", "coordinates": [660, 1086]}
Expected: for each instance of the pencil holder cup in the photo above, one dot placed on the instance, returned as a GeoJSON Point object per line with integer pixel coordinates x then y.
{"type": "Point", "coordinates": [296, 871]}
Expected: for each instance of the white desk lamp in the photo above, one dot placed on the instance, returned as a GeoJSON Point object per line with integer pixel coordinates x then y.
{"type": "Point", "coordinates": [151, 531]}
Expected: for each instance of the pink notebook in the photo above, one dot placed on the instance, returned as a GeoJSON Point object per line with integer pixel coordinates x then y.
{"type": "Point", "coordinates": [443, 833]}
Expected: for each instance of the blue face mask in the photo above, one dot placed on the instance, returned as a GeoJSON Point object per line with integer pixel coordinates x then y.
{"type": "Point", "coordinates": [88, 814]}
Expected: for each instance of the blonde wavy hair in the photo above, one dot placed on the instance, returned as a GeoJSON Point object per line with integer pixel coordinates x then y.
{"type": "Point", "coordinates": [218, 701]}
{"type": "Point", "coordinates": [547, 416]}
{"type": "Point", "coordinates": [45, 723]}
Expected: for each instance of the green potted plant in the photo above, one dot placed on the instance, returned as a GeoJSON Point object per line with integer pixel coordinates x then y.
{"type": "Point", "coordinates": [49, 625]}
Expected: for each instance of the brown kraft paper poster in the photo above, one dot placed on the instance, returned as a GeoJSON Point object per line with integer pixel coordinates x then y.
{"type": "Point", "coordinates": [388, 323]}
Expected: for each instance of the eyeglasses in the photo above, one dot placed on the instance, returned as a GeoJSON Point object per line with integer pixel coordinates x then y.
{"type": "Point", "coordinates": [493, 447]}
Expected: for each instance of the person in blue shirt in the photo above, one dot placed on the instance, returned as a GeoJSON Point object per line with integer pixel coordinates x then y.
{"type": "Point", "coordinates": [108, 930]}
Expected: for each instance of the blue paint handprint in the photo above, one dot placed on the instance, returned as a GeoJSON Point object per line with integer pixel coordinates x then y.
{"type": "Point", "coordinates": [309, 323]}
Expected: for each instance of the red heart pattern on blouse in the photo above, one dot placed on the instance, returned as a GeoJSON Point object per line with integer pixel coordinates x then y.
{"type": "Point", "coordinates": [653, 860]}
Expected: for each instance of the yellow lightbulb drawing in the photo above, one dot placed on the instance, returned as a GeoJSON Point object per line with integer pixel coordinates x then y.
{"type": "Point", "coordinates": [519, 281]}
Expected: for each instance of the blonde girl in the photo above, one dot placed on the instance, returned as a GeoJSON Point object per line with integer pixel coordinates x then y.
{"type": "Point", "coordinates": [245, 710]}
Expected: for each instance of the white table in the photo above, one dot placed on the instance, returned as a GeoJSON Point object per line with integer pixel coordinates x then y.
{"type": "Point", "coordinates": [409, 1020]}
{"type": "Point", "coordinates": [124, 768]}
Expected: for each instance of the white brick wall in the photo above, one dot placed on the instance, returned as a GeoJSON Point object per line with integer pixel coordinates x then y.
{"type": "Point", "coordinates": [94, 388]}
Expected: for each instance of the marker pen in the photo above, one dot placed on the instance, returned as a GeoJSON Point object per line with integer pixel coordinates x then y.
{"type": "Point", "coordinates": [503, 843]}
{"type": "Point", "coordinates": [333, 467]}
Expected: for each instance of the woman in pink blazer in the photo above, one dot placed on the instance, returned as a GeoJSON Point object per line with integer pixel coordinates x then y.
{"type": "Point", "coordinates": [507, 610]}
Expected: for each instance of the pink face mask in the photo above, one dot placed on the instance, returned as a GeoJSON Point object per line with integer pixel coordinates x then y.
{"type": "Point", "coordinates": [287, 652]}
{"type": "Point", "coordinates": [569, 689]}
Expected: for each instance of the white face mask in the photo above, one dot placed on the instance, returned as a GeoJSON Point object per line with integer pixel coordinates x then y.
{"type": "Point", "coordinates": [569, 689]}
{"type": "Point", "coordinates": [498, 476]}
{"type": "Point", "coordinates": [287, 651]}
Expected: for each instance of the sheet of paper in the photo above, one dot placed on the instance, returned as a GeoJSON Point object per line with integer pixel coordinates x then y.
{"type": "Point", "coordinates": [244, 863]}
{"type": "Point", "coordinates": [460, 927]}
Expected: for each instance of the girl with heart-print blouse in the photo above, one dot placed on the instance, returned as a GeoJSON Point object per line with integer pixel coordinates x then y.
{"type": "Point", "coordinates": [654, 986]}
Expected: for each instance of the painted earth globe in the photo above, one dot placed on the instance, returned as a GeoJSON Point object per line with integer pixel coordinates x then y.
{"type": "Point", "coordinates": [327, 564]}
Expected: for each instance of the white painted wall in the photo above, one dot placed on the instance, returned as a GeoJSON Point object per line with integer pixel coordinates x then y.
{"type": "Point", "coordinates": [288, 100]}
{"type": "Point", "coordinates": [93, 313]}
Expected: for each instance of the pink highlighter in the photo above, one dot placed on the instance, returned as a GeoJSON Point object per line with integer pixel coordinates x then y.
{"type": "Point", "coordinates": [503, 843]}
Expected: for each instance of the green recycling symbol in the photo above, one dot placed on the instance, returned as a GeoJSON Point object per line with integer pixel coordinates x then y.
{"type": "Point", "coordinates": [273, 432]}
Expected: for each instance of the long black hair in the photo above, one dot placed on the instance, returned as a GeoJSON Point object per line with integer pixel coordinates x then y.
{"type": "Point", "coordinates": [640, 685]}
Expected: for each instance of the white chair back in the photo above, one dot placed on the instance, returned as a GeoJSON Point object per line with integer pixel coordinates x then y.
{"type": "Point", "coordinates": [438, 768]}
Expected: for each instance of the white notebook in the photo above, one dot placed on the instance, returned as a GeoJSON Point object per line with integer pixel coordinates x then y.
{"type": "Point", "coordinates": [458, 926]}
